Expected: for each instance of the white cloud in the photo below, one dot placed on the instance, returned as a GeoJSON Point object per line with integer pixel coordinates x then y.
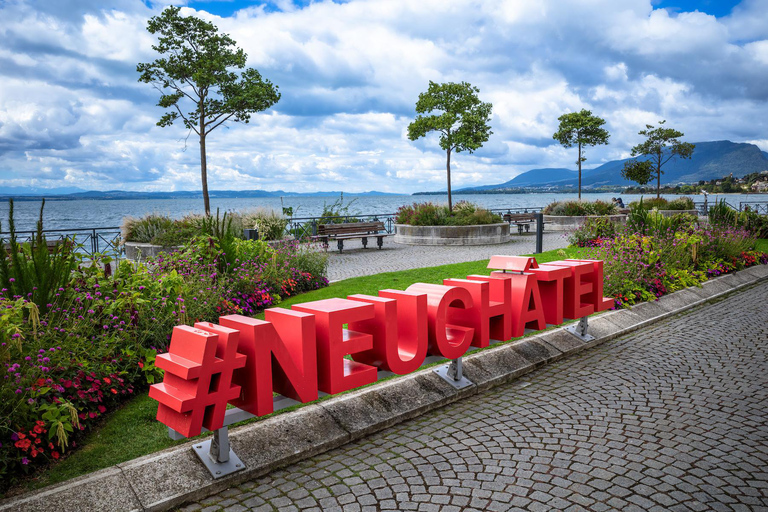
{"type": "Point", "coordinates": [71, 109]}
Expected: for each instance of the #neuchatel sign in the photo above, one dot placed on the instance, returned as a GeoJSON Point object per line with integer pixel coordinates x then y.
{"type": "Point", "coordinates": [301, 351]}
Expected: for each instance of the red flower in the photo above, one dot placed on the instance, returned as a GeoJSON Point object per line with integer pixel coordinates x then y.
{"type": "Point", "coordinates": [113, 390]}
{"type": "Point", "coordinates": [141, 364]}
{"type": "Point", "coordinates": [107, 380]}
{"type": "Point", "coordinates": [55, 455]}
{"type": "Point", "coordinates": [102, 409]}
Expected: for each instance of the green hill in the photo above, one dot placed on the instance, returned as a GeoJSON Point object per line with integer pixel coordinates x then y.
{"type": "Point", "coordinates": [711, 160]}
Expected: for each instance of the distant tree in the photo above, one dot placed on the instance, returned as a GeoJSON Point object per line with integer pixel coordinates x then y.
{"type": "Point", "coordinates": [197, 68]}
{"type": "Point", "coordinates": [661, 146]}
{"type": "Point", "coordinates": [461, 118]}
{"type": "Point", "coordinates": [581, 129]}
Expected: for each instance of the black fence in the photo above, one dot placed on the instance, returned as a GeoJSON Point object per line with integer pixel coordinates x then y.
{"type": "Point", "coordinates": [107, 240]}
{"type": "Point", "coordinates": [760, 207]}
{"type": "Point", "coordinates": [88, 241]}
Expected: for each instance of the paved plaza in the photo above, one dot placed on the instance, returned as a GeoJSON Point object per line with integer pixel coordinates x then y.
{"type": "Point", "coordinates": [672, 417]}
{"type": "Point", "coordinates": [356, 261]}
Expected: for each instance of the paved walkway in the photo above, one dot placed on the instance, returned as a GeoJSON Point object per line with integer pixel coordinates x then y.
{"type": "Point", "coordinates": [356, 261]}
{"type": "Point", "coordinates": [674, 417]}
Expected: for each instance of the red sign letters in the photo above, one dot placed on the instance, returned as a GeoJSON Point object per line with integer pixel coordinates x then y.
{"type": "Point", "coordinates": [301, 351]}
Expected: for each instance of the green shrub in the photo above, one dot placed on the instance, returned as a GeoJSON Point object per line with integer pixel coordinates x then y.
{"type": "Point", "coordinates": [33, 271]}
{"type": "Point", "coordinates": [593, 231]}
{"type": "Point", "coordinates": [429, 214]}
{"type": "Point", "coordinates": [721, 214]}
{"type": "Point", "coordinates": [144, 229]}
{"type": "Point", "coordinates": [681, 203]}
{"type": "Point", "coordinates": [659, 203]}
{"type": "Point", "coordinates": [252, 250]}
{"type": "Point", "coordinates": [580, 208]}
{"type": "Point", "coordinates": [270, 223]}
{"type": "Point", "coordinates": [338, 212]}
{"type": "Point", "coordinates": [180, 233]}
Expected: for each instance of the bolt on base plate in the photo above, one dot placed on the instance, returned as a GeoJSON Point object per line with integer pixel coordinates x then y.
{"type": "Point", "coordinates": [580, 330]}
{"type": "Point", "coordinates": [217, 469]}
{"type": "Point", "coordinates": [449, 375]}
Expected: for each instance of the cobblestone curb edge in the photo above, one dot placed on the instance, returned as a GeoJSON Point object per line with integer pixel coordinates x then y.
{"type": "Point", "coordinates": [169, 478]}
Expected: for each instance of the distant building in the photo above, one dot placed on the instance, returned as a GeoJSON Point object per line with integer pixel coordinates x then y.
{"type": "Point", "coordinates": [760, 186]}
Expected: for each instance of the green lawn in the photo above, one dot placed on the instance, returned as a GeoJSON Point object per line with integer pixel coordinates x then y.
{"type": "Point", "coordinates": [762, 245]}
{"type": "Point", "coordinates": [132, 431]}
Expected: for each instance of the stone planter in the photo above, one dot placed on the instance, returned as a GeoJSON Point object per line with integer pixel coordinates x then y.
{"type": "Point", "coordinates": [452, 235]}
{"type": "Point", "coordinates": [573, 222]}
{"type": "Point", "coordinates": [136, 250]}
{"type": "Point", "coordinates": [671, 213]}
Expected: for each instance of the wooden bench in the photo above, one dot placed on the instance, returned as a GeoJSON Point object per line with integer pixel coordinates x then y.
{"type": "Point", "coordinates": [521, 220]}
{"type": "Point", "coordinates": [350, 230]}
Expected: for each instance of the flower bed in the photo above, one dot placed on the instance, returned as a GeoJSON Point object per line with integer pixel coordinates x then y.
{"type": "Point", "coordinates": [74, 350]}
{"type": "Point", "coordinates": [433, 224]}
{"type": "Point", "coordinates": [654, 255]}
{"type": "Point", "coordinates": [161, 231]}
{"type": "Point", "coordinates": [464, 213]}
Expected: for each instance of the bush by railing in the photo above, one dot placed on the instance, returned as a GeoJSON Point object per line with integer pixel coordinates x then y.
{"type": "Point", "coordinates": [580, 208]}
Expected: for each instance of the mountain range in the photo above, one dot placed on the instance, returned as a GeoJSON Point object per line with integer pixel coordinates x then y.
{"type": "Point", "coordinates": [30, 194]}
{"type": "Point", "coordinates": [710, 160]}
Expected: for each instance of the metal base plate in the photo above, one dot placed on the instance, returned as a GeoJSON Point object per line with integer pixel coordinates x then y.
{"type": "Point", "coordinates": [217, 470]}
{"type": "Point", "coordinates": [462, 383]}
{"type": "Point", "coordinates": [574, 329]}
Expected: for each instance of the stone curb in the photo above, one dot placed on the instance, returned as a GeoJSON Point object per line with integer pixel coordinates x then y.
{"type": "Point", "coordinates": [171, 477]}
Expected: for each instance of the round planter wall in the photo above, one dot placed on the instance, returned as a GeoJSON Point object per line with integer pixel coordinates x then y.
{"type": "Point", "coordinates": [573, 222]}
{"type": "Point", "coordinates": [136, 250]}
{"type": "Point", "coordinates": [672, 213]}
{"type": "Point", "coordinates": [452, 235]}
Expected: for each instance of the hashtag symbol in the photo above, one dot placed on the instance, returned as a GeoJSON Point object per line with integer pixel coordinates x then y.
{"type": "Point", "coordinates": [198, 378]}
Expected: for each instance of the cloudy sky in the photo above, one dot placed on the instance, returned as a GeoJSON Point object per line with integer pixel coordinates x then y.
{"type": "Point", "coordinates": [72, 113]}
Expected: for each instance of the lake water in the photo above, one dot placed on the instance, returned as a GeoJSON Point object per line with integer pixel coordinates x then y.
{"type": "Point", "coordinates": [110, 213]}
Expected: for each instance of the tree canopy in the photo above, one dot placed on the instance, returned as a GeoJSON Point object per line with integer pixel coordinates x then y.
{"type": "Point", "coordinates": [660, 146]}
{"type": "Point", "coordinates": [581, 129]}
{"type": "Point", "coordinates": [198, 81]}
{"type": "Point", "coordinates": [459, 116]}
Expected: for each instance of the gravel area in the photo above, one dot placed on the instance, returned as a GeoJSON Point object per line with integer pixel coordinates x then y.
{"type": "Point", "coordinates": [356, 261]}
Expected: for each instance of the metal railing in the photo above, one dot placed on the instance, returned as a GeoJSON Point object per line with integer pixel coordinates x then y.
{"type": "Point", "coordinates": [304, 227]}
{"type": "Point", "coordinates": [759, 207]}
{"type": "Point", "coordinates": [88, 241]}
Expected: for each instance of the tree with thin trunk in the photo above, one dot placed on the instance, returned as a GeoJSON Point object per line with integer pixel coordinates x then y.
{"type": "Point", "coordinates": [206, 71]}
{"type": "Point", "coordinates": [661, 145]}
{"type": "Point", "coordinates": [581, 129]}
{"type": "Point", "coordinates": [460, 117]}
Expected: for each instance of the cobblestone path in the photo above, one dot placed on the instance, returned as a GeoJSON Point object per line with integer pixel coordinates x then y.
{"type": "Point", "coordinates": [671, 418]}
{"type": "Point", "coordinates": [356, 261]}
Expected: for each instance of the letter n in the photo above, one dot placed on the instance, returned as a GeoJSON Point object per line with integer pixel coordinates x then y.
{"type": "Point", "coordinates": [282, 357]}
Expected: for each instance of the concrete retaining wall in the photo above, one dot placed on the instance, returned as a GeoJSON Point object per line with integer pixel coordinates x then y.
{"type": "Point", "coordinates": [672, 213]}
{"type": "Point", "coordinates": [136, 250]}
{"type": "Point", "coordinates": [452, 235]}
{"type": "Point", "coordinates": [573, 222]}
